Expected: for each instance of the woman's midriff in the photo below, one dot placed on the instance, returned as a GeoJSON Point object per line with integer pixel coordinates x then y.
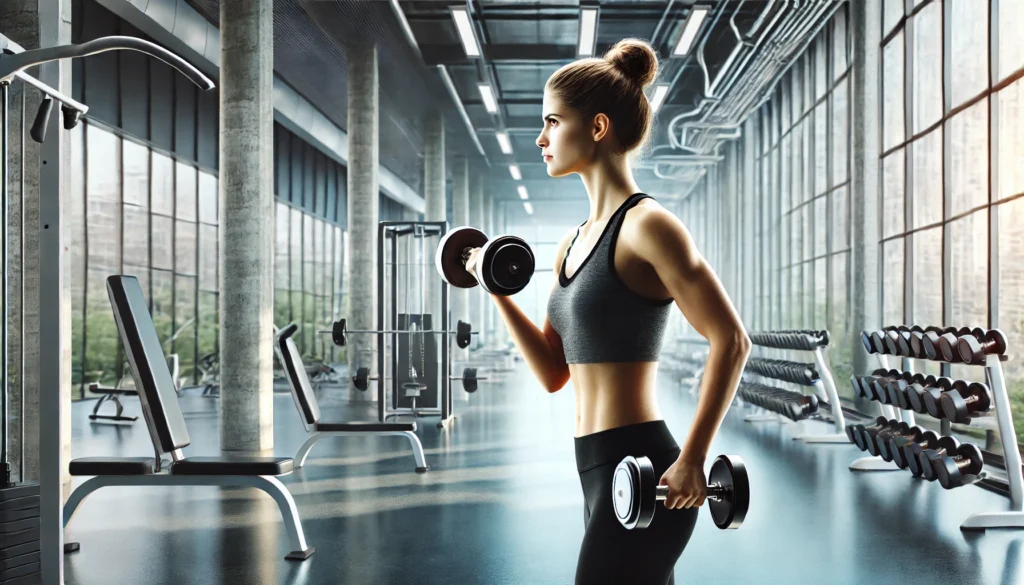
{"type": "Point", "coordinates": [612, 395]}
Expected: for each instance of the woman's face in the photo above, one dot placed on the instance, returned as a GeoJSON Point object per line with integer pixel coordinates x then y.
{"type": "Point", "coordinates": [566, 142]}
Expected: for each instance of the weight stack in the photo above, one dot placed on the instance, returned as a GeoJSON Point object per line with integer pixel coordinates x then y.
{"type": "Point", "coordinates": [19, 535]}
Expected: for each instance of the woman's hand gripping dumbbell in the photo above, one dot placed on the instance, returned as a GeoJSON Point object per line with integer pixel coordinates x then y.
{"type": "Point", "coordinates": [502, 266]}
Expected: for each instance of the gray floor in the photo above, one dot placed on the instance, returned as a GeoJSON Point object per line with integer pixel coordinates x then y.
{"type": "Point", "coordinates": [502, 504]}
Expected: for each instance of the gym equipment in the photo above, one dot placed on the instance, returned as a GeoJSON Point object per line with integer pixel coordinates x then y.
{"type": "Point", "coordinates": [340, 332]}
{"type": "Point", "coordinates": [873, 439]}
{"type": "Point", "coordinates": [854, 432]}
{"type": "Point", "coordinates": [14, 65]}
{"type": "Point", "coordinates": [973, 349]}
{"type": "Point", "coordinates": [897, 444]}
{"type": "Point", "coordinates": [113, 395]}
{"type": "Point", "coordinates": [885, 439]}
{"type": "Point", "coordinates": [917, 391]}
{"type": "Point", "coordinates": [965, 400]}
{"type": "Point", "coordinates": [792, 405]}
{"type": "Point", "coordinates": [505, 265]}
{"type": "Point", "coordinates": [913, 453]}
{"type": "Point", "coordinates": [953, 471]}
{"type": "Point", "coordinates": [469, 379]}
{"type": "Point", "coordinates": [944, 347]}
{"type": "Point", "coordinates": [635, 491]}
{"type": "Point", "coordinates": [930, 397]}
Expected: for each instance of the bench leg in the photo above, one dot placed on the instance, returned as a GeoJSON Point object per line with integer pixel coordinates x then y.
{"type": "Point", "coordinates": [417, 451]}
{"type": "Point", "coordinates": [81, 492]}
{"type": "Point", "coordinates": [300, 456]}
{"type": "Point", "coordinates": [289, 513]}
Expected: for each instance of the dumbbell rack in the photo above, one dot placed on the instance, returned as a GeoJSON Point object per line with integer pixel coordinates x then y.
{"type": "Point", "coordinates": [1014, 517]}
{"type": "Point", "coordinates": [824, 386]}
{"type": "Point", "coordinates": [875, 463]}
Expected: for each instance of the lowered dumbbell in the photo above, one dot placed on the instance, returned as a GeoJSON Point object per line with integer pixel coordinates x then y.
{"type": "Point", "coordinates": [885, 439]}
{"type": "Point", "coordinates": [504, 266]}
{"type": "Point", "coordinates": [930, 387]}
{"type": "Point", "coordinates": [635, 491]}
{"type": "Point", "coordinates": [875, 440]}
{"type": "Point", "coordinates": [897, 444]}
{"type": "Point", "coordinates": [974, 349]}
{"type": "Point", "coordinates": [862, 434]}
{"type": "Point", "coordinates": [950, 470]}
{"type": "Point", "coordinates": [963, 401]}
{"type": "Point", "coordinates": [925, 457]}
{"type": "Point", "coordinates": [912, 453]}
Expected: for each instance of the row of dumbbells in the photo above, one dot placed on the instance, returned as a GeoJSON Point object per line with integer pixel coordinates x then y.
{"type": "Point", "coordinates": [792, 405]}
{"type": "Point", "coordinates": [923, 452]}
{"type": "Point", "coordinates": [803, 339]}
{"type": "Point", "coordinates": [964, 345]}
{"type": "Point", "coordinates": [956, 400]}
{"type": "Point", "coordinates": [787, 371]}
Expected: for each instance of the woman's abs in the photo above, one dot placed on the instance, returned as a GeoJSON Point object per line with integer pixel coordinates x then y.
{"type": "Point", "coordinates": [611, 395]}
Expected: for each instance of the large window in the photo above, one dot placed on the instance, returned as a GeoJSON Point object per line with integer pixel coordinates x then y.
{"type": "Point", "coordinates": [139, 211]}
{"type": "Point", "coordinates": [952, 146]}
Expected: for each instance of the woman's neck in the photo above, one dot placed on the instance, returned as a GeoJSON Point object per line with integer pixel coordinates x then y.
{"type": "Point", "coordinates": [609, 182]}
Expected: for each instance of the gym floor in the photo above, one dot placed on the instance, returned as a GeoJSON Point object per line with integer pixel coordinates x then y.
{"type": "Point", "coordinates": [502, 504]}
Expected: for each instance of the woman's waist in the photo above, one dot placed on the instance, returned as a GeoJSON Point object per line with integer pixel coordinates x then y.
{"type": "Point", "coordinates": [610, 446]}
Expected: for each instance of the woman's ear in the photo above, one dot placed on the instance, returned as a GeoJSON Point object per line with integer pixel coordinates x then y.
{"type": "Point", "coordinates": [600, 128]}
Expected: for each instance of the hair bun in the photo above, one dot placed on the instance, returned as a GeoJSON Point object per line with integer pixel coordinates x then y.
{"type": "Point", "coordinates": [635, 59]}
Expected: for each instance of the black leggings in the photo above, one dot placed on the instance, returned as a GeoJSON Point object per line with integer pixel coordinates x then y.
{"type": "Point", "coordinates": [610, 553]}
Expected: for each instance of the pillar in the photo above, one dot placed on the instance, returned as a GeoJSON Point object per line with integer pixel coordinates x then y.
{"type": "Point", "coordinates": [363, 206]}
{"type": "Point", "coordinates": [247, 224]}
{"type": "Point", "coordinates": [461, 297]}
{"type": "Point", "coordinates": [865, 23]}
{"type": "Point", "coordinates": [487, 326]}
{"type": "Point", "coordinates": [435, 194]}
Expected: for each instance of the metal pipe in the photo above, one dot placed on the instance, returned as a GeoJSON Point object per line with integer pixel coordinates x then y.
{"type": "Point", "coordinates": [5, 118]}
{"type": "Point", "coordinates": [11, 64]}
{"type": "Point", "coordinates": [66, 100]}
{"type": "Point", "coordinates": [462, 110]}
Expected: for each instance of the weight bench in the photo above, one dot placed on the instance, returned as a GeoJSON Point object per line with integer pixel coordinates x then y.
{"type": "Point", "coordinates": [113, 395]}
{"type": "Point", "coordinates": [309, 408]}
{"type": "Point", "coordinates": [168, 432]}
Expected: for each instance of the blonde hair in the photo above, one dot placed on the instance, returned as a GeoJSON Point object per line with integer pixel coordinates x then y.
{"type": "Point", "coordinates": [613, 85]}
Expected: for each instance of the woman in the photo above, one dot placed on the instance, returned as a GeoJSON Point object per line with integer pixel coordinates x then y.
{"type": "Point", "coordinates": [618, 274]}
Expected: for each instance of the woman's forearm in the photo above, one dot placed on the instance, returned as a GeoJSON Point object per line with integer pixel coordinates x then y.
{"type": "Point", "coordinates": [722, 373]}
{"type": "Point", "coordinates": [534, 346]}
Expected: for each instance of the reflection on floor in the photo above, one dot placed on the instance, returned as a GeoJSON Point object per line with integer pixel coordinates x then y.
{"type": "Point", "coordinates": [502, 504]}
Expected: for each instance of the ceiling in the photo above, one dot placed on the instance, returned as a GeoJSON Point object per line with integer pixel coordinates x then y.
{"type": "Point", "coordinates": [522, 42]}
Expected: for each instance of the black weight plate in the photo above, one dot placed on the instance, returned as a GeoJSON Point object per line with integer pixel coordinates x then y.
{"type": "Point", "coordinates": [634, 492]}
{"type": "Point", "coordinates": [507, 265]}
{"type": "Point", "coordinates": [448, 258]}
{"type": "Point", "coordinates": [731, 473]}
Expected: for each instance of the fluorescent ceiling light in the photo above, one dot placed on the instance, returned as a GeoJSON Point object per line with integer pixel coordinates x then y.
{"type": "Point", "coordinates": [528, 207]}
{"type": "Point", "coordinates": [465, 26]}
{"type": "Point", "coordinates": [690, 30]}
{"type": "Point", "coordinates": [514, 171]}
{"type": "Point", "coordinates": [659, 96]}
{"type": "Point", "coordinates": [587, 32]}
{"type": "Point", "coordinates": [488, 96]}
{"type": "Point", "coordinates": [522, 193]}
{"type": "Point", "coordinates": [506, 146]}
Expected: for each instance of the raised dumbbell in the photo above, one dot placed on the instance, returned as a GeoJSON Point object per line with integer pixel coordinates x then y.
{"type": "Point", "coordinates": [896, 445]}
{"type": "Point", "coordinates": [912, 452]}
{"type": "Point", "coordinates": [946, 445]}
{"type": "Point", "coordinates": [974, 349]}
{"type": "Point", "coordinates": [960, 403]}
{"type": "Point", "coordinates": [635, 491]}
{"type": "Point", "coordinates": [505, 264]}
{"type": "Point", "coordinates": [950, 470]}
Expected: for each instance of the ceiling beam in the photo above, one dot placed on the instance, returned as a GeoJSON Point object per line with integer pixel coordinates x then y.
{"type": "Point", "coordinates": [453, 54]}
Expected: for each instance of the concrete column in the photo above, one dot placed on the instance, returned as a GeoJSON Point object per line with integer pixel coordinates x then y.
{"type": "Point", "coordinates": [865, 27]}
{"type": "Point", "coordinates": [247, 224]}
{"type": "Point", "coordinates": [461, 297]}
{"type": "Point", "coordinates": [434, 192]}
{"type": "Point", "coordinates": [363, 205]}
{"type": "Point", "coordinates": [31, 24]}
{"type": "Point", "coordinates": [487, 326]}
{"type": "Point", "coordinates": [476, 218]}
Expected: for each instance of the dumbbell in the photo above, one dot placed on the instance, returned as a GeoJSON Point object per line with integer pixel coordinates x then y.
{"type": "Point", "coordinates": [861, 434]}
{"type": "Point", "coordinates": [635, 491]}
{"type": "Point", "coordinates": [930, 397]}
{"type": "Point", "coordinates": [897, 444]}
{"type": "Point", "coordinates": [974, 349]}
{"type": "Point", "coordinates": [505, 265]}
{"type": "Point", "coordinates": [945, 445]}
{"type": "Point", "coordinates": [946, 346]}
{"type": "Point", "coordinates": [884, 439]}
{"type": "Point", "coordinates": [931, 387]}
{"type": "Point", "coordinates": [963, 401]}
{"type": "Point", "coordinates": [897, 390]}
{"type": "Point", "coordinates": [898, 339]}
{"type": "Point", "coordinates": [875, 440]}
{"type": "Point", "coordinates": [917, 341]}
{"type": "Point", "coordinates": [913, 455]}
{"type": "Point", "coordinates": [950, 469]}
{"type": "Point", "coordinates": [876, 340]}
